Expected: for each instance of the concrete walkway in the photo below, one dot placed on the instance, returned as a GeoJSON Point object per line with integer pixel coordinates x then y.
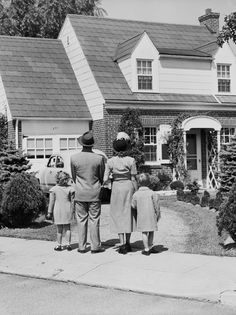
{"type": "Point", "coordinates": [166, 273]}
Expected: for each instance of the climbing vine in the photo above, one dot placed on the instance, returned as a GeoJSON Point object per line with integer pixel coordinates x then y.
{"type": "Point", "coordinates": [176, 147]}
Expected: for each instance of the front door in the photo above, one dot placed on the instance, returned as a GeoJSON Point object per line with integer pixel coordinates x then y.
{"type": "Point", "coordinates": [194, 166]}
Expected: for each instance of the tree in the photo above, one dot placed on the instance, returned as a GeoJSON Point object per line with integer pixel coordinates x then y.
{"type": "Point", "coordinates": [226, 218]}
{"type": "Point", "coordinates": [131, 124]}
{"type": "Point", "coordinates": [11, 162]}
{"type": "Point", "coordinates": [42, 18]}
{"type": "Point", "coordinates": [227, 173]}
{"type": "Point", "coordinates": [228, 30]}
{"type": "Point", "coordinates": [3, 132]}
{"type": "Point", "coordinates": [20, 18]}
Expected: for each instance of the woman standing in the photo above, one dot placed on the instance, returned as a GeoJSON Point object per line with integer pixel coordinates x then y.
{"type": "Point", "coordinates": [122, 169]}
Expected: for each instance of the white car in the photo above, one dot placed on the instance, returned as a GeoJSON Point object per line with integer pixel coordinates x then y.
{"type": "Point", "coordinates": [58, 162]}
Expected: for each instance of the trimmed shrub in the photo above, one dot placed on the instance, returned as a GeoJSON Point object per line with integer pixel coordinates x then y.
{"type": "Point", "coordinates": [177, 185]}
{"type": "Point", "coordinates": [164, 179]}
{"type": "Point", "coordinates": [205, 199]}
{"type": "Point", "coordinates": [226, 219]}
{"type": "Point", "coordinates": [216, 202]}
{"type": "Point", "coordinates": [180, 195]}
{"type": "Point", "coordinates": [193, 187]}
{"type": "Point", "coordinates": [195, 200]}
{"type": "Point", "coordinates": [22, 201]}
{"type": "Point", "coordinates": [155, 183]}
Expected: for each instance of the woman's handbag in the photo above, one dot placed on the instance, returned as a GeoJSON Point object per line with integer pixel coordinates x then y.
{"type": "Point", "coordinates": [105, 195]}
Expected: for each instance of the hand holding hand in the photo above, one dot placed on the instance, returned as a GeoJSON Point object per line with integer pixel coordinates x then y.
{"type": "Point", "coordinates": [49, 216]}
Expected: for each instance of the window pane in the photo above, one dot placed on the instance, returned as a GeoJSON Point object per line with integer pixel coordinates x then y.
{"type": "Point", "coordinates": [71, 143]}
{"type": "Point", "coordinates": [48, 153]}
{"type": "Point", "coordinates": [48, 143]}
{"type": "Point", "coordinates": [150, 152]}
{"type": "Point", "coordinates": [30, 143]}
{"type": "Point", "coordinates": [39, 143]}
{"type": "Point", "coordinates": [63, 143]}
{"type": "Point", "coordinates": [165, 153]}
{"type": "Point", "coordinates": [39, 154]}
{"type": "Point", "coordinates": [31, 154]}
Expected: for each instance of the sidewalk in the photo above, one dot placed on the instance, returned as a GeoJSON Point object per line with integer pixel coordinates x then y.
{"type": "Point", "coordinates": [166, 273]}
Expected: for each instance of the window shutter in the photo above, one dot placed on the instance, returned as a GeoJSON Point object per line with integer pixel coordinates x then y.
{"type": "Point", "coordinates": [164, 132]}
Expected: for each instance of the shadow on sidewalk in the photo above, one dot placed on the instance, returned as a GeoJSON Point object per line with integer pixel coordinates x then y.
{"type": "Point", "coordinates": [138, 246]}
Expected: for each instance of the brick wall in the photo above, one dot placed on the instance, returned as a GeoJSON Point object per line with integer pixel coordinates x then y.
{"type": "Point", "coordinates": [105, 130]}
{"type": "Point", "coordinates": [12, 134]}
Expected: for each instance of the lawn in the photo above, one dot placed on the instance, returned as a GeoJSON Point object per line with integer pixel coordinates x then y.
{"type": "Point", "coordinates": [183, 228]}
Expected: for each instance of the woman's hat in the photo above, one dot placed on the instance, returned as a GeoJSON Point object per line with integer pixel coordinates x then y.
{"type": "Point", "coordinates": [120, 145]}
{"type": "Point", "coordinates": [86, 139]}
{"type": "Point", "coordinates": [122, 135]}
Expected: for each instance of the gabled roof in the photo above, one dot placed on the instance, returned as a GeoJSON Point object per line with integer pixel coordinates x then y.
{"type": "Point", "coordinates": [126, 48]}
{"type": "Point", "coordinates": [100, 37]}
{"type": "Point", "coordinates": [39, 80]}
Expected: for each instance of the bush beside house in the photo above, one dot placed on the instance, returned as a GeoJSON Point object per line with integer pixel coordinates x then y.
{"type": "Point", "coordinates": [226, 219]}
{"type": "Point", "coordinates": [22, 200]}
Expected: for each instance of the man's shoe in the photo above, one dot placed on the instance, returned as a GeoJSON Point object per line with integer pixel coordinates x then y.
{"type": "Point", "coordinates": [146, 252]}
{"type": "Point", "coordinates": [122, 250]}
{"type": "Point", "coordinates": [68, 247]}
{"type": "Point", "coordinates": [128, 247]}
{"type": "Point", "coordinates": [99, 250]}
{"type": "Point", "coordinates": [81, 251]}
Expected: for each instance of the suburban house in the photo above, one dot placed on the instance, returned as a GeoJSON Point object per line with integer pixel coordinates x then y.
{"type": "Point", "coordinates": [98, 67]}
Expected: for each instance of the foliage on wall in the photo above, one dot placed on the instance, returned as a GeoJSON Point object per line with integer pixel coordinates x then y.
{"type": "Point", "coordinates": [132, 125]}
{"type": "Point", "coordinates": [176, 147]}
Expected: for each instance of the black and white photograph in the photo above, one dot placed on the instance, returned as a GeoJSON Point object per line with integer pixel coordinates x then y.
{"type": "Point", "coordinates": [117, 157]}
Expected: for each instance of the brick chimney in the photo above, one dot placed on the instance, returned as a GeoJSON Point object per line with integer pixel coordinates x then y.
{"type": "Point", "coordinates": [210, 20]}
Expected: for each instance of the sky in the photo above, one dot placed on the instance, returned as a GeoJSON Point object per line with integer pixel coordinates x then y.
{"type": "Point", "coordinates": [167, 11]}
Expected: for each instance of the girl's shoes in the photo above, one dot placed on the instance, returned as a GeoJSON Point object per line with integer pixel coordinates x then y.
{"type": "Point", "coordinates": [58, 248]}
{"type": "Point", "coordinates": [122, 249]}
{"type": "Point", "coordinates": [68, 247]}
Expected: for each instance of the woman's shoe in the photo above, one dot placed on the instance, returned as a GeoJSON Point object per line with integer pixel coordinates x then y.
{"type": "Point", "coordinates": [122, 249]}
{"type": "Point", "coordinates": [68, 247]}
{"type": "Point", "coordinates": [146, 252]}
{"type": "Point", "coordinates": [58, 248]}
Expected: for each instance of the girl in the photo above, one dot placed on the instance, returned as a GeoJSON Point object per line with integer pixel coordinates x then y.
{"type": "Point", "coordinates": [146, 202]}
{"type": "Point", "coordinates": [61, 207]}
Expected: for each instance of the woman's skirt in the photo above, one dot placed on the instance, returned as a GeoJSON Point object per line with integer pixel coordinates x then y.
{"type": "Point", "coordinates": [122, 219]}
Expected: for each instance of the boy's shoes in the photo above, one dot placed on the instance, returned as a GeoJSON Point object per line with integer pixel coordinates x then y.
{"type": "Point", "coordinates": [58, 248]}
{"type": "Point", "coordinates": [68, 247]}
{"type": "Point", "coordinates": [99, 250]}
{"type": "Point", "coordinates": [81, 251]}
{"type": "Point", "coordinates": [122, 249]}
{"type": "Point", "coordinates": [128, 247]}
{"type": "Point", "coordinates": [146, 252]}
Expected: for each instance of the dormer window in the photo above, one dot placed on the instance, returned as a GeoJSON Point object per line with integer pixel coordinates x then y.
{"type": "Point", "coordinates": [144, 72]}
{"type": "Point", "coordinates": [223, 75]}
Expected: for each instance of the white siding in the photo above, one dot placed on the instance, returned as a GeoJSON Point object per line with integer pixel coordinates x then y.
{"type": "Point", "coordinates": [4, 108]}
{"type": "Point", "coordinates": [53, 127]}
{"type": "Point", "coordinates": [83, 73]}
{"type": "Point", "coordinates": [145, 50]}
{"type": "Point", "coordinates": [126, 69]}
{"type": "Point", "coordinates": [185, 76]}
{"type": "Point", "coordinates": [227, 56]}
